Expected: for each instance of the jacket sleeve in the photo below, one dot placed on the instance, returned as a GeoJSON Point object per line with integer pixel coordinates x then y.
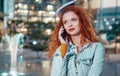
{"type": "Point", "coordinates": [63, 49]}
{"type": "Point", "coordinates": [98, 61]}
{"type": "Point", "coordinates": [58, 64]}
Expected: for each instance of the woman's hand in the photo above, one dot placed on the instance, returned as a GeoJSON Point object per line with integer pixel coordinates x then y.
{"type": "Point", "coordinates": [62, 40]}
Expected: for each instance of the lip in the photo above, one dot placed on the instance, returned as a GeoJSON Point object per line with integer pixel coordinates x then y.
{"type": "Point", "coordinates": [71, 29]}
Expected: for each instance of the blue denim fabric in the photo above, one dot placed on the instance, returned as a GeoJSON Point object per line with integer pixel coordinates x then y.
{"type": "Point", "coordinates": [88, 62]}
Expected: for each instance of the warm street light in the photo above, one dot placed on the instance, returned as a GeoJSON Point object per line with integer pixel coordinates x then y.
{"type": "Point", "coordinates": [52, 13]}
{"type": "Point", "coordinates": [49, 7]}
{"type": "Point", "coordinates": [48, 31]}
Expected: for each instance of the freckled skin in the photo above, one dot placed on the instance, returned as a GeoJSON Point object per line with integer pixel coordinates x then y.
{"type": "Point", "coordinates": [71, 23]}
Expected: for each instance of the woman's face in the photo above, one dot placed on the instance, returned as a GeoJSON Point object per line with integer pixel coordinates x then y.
{"type": "Point", "coordinates": [71, 23]}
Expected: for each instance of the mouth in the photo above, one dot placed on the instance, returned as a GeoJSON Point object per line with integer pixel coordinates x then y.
{"type": "Point", "coordinates": [71, 29]}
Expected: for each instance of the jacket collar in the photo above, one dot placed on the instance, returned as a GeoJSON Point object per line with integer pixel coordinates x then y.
{"type": "Point", "coordinates": [74, 48]}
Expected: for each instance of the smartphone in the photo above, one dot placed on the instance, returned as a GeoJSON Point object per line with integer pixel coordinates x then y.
{"type": "Point", "coordinates": [64, 34]}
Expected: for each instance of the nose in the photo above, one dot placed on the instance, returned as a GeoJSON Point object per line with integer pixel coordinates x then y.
{"type": "Point", "coordinates": [69, 24]}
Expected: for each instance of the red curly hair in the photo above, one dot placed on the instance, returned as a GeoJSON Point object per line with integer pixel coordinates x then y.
{"type": "Point", "coordinates": [88, 33]}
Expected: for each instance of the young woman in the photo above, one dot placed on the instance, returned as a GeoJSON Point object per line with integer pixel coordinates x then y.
{"type": "Point", "coordinates": [74, 46]}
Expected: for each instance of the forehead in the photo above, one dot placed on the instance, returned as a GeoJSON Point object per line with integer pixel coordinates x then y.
{"type": "Point", "coordinates": [69, 15]}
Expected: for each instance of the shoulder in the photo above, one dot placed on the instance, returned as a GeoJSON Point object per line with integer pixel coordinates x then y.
{"type": "Point", "coordinates": [97, 45]}
{"type": "Point", "coordinates": [57, 52]}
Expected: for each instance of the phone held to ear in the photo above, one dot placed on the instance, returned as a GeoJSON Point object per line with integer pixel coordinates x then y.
{"type": "Point", "coordinates": [64, 35]}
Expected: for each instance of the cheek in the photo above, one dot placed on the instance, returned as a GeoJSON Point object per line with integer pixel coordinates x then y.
{"type": "Point", "coordinates": [78, 28]}
{"type": "Point", "coordinates": [77, 24]}
{"type": "Point", "coordinates": [65, 27]}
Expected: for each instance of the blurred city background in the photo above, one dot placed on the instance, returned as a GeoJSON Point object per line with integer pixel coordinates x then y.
{"type": "Point", "coordinates": [26, 26]}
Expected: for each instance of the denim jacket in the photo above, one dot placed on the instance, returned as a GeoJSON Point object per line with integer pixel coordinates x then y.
{"type": "Point", "coordinates": [88, 62]}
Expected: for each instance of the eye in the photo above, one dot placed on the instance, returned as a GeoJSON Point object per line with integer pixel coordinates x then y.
{"type": "Point", "coordinates": [74, 19]}
{"type": "Point", "coordinates": [64, 22]}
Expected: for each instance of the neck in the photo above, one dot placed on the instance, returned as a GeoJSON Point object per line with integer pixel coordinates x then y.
{"type": "Point", "coordinates": [76, 40]}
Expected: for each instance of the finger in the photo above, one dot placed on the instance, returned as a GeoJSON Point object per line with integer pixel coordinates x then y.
{"type": "Point", "coordinates": [61, 30]}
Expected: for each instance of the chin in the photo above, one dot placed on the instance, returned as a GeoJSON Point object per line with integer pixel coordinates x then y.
{"type": "Point", "coordinates": [74, 34]}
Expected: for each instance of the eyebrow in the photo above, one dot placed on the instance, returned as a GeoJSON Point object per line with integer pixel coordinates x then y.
{"type": "Point", "coordinates": [71, 18]}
